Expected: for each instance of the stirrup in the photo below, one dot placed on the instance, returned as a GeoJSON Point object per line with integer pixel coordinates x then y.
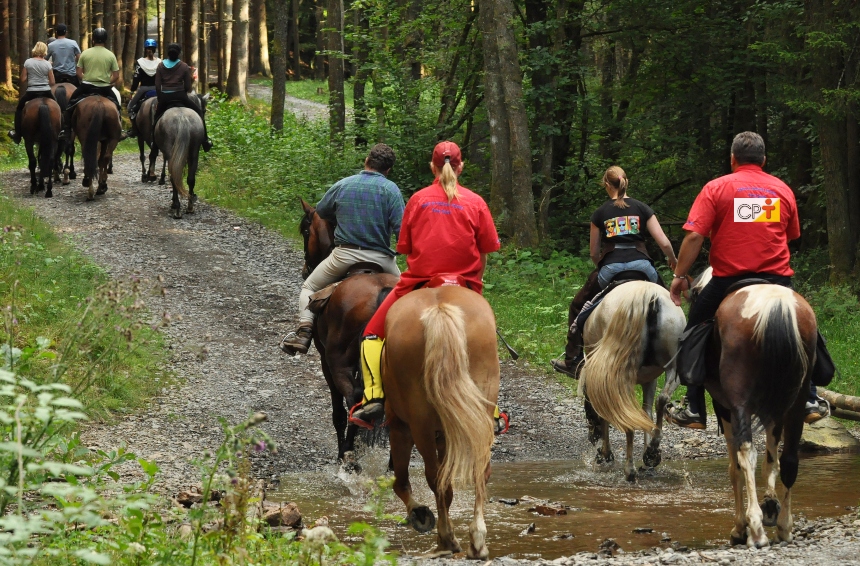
{"type": "Point", "coordinates": [503, 423]}
{"type": "Point", "coordinates": [356, 421]}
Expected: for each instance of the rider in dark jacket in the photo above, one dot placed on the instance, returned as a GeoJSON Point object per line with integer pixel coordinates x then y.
{"type": "Point", "coordinates": [143, 81]}
{"type": "Point", "coordinates": [173, 82]}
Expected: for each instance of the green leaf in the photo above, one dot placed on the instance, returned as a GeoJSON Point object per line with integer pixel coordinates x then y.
{"type": "Point", "coordinates": [93, 557]}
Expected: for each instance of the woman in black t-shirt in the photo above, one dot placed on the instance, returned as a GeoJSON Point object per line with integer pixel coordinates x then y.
{"type": "Point", "coordinates": [617, 243]}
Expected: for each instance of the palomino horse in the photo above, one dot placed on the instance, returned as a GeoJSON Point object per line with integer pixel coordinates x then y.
{"type": "Point", "coordinates": [96, 123]}
{"type": "Point", "coordinates": [440, 370]}
{"type": "Point", "coordinates": [145, 137]}
{"type": "Point", "coordinates": [179, 134]}
{"type": "Point", "coordinates": [338, 327]}
{"type": "Point", "coordinates": [65, 151]}
{"type": "Point", "coordinates": [631, 337]}
{"type": "Point", "coordinates": [41, 122]}
{"type": "Point", "coordinates": [759, 363]}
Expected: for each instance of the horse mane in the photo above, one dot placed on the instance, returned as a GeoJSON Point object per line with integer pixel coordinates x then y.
{"type": "Point", "coordinates": [703, 279]}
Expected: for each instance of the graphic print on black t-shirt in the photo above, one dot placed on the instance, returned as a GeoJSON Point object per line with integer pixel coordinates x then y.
{"type": "Point", "coordinates": [622, 226]}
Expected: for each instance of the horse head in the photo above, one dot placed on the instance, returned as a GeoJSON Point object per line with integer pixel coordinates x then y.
{"type": "Point", "coordinates": [318, 236]}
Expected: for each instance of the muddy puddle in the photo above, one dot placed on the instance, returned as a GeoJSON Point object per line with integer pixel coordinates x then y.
{"type": "Point", "coordinates": [689, 502]}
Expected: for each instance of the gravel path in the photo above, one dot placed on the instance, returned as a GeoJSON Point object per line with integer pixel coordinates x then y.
{"type": "Point", "coordinates": [232, 286]}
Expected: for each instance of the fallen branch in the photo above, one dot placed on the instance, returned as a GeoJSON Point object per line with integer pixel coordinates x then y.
{"type": "Point", "coordinates": [839, 401]}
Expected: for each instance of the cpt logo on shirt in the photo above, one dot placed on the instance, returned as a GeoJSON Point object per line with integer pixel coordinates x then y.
{"type": "Point", "coordinates": [756, 210]}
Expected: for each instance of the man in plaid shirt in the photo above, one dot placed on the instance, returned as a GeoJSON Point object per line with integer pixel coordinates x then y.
{"type": "Point", "coordinates": [367, 209]}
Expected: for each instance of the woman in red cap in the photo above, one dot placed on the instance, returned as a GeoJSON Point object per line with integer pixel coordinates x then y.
{"type": "Point", "coordinates": [447, 230]}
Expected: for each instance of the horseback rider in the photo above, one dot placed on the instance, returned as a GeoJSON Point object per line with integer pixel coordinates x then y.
{"type": "Point", "coordinates": [743, 246]}
{"type": "Point", "coordinates": [173, 82]}
{"type": "Point", "coordinates": [367, 209]}
{"type": "Point", "coordinates": [617, 244]}
{"type": "Point", "coordinates": [37, 74]}
{"type": "Point", "coordinates": [143, 81]}
{"type": "Point", "coordinates": [447, 230]}
{"type": "Point", "coordinates": [63, 54]}
{"type": "Point", "coordinates": [98, 72]}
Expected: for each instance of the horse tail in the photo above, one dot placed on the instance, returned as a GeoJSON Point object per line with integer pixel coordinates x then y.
{"type": "Point", "coordinates": [611, 368]}
{"type": "Point", "coordinates": [783, 359]}
{"type": "Point", "coordinates": [62, 97]}
{"type": "Point", "coordinates": [464, 411]}
{"type": "Point", "coordinates": [47, 140]}
{"type": "Point", "coordinates": [179, 156]}
{"type": "Point", "coordinates": [90, 145]}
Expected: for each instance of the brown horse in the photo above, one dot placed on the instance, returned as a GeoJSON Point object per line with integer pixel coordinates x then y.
{"type": "Point", "coordinates": [759, 363]}
{"type": "Point", "coordinates": [146, 137]}
{"type": "Point", "coordinates": [440, 370]}
{"type": "Point", "coordinates": [65, 151]}
{"type": "Point", "coordinates": [338, 327]}
{"type": "Point", "coordinates": [41, 121]}
{"type": "Point", "coordinates": [96, 122]}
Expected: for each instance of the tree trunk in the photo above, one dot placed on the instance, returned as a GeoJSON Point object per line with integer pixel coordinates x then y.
{"type": "Point", "coordinates": [39, 20]}
{"type": "Point", "coordinates": [60, 12]}
{"type": "Point", "coordinates": [108, 19]}
{"type": "Point", "coordinates": [226, 40]}
{"type": "Point", "coordinates": [5, 46]}
{"type": "Point", "coordinates": [169, 24]}
{"type": "Point", "coordinates": [359, 103]}
{"type": "Point", "coordinates": [297, 51]}
{"type": "Point", "coordinates": [23, 31]}
{"type": "Point", "coordinates": [192, 36]}
{"type": "Point", "coordinates": [130, 48]}
{"type": "Point", "coordinates": [319, 58]}
{"type": "Point", "coordinates": [262, 32]}
{"type": "Point", "coordinates": [832, 142]}
{"type": "Point", "coordinates": [334, 41]}
{"type": "Point", "coordinates": [280, 46]}
{"type": "Point", "coordinates": [237, 79]}
{"type": "Point", "coordinates": [85, 20]}
{"type": "Point", "coordinates": [205, 45]}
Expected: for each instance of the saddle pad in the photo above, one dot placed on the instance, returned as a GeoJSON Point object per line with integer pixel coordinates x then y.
{"type": "Point", "coordinates": [691, 355]}
{"type": "Point", "coordinates": [589, 307]}
{"type": "Point", "coordinates": [746, 283]}
{"type": "Point", "coordinates": [149, 94]}
{"type": "Point", "coordinates": [320, 299]}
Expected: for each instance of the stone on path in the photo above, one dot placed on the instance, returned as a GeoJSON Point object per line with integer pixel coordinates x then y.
{"type": "Point", "coordinates": [827, 435]}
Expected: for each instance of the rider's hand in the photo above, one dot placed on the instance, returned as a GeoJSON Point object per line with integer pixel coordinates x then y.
{"type": "Point", "coordinates": [673, 263]}
{"type": "Point", "coordinates": [678, 287]}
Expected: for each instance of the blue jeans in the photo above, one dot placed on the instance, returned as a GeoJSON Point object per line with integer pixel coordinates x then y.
{"type": "Point", "coordinates": [610, 270]}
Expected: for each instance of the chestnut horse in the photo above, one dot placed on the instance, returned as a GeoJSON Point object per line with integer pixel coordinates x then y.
{"type": "Point", "coordinates": [759, 364]}
{"type": "Point", "coordinates": [440, 370]}
{"type": "Point", "coordinates": [65, 151]}
{"type": "Point", "coordinates": [41, 122]}
{"type": "Point", "coordinates": [631, 338]}
{"type": "Point", "coordinates": [338, 328]}
{"type": "Point", "coordinates": [96, 123]}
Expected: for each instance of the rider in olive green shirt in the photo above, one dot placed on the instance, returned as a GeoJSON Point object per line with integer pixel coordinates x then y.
{"type": "Point", "coordinates": [98, 71]}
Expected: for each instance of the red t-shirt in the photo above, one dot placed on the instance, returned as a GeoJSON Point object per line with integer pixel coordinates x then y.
{"type": "Point", "coordinates": [441, 237]}
{"type": "Point", "coordinates": [750, 217]}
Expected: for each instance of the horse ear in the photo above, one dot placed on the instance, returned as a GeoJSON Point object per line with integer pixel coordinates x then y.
{"type": "Point", "coordinates": [306, 207]}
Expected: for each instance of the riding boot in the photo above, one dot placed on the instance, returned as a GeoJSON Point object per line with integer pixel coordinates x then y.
{"type": "Point", "coordinates": [16, 133]}
{"type": "Point", "coordinates": [573, 354]}
{"type": "Point", "coordinates": [502, 423]}
{"type": "Point", "coordinates": [207, 143]}
{"type": "Point", "coordinates": [299, 341]}
{"type": "Point", "coordinates": [66, 134]}
{"type": "Point", "coordinates": [372, 407]}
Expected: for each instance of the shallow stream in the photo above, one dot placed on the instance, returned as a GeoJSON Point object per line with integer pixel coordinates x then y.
{"type": "Point", "coordinates": [689, 502]}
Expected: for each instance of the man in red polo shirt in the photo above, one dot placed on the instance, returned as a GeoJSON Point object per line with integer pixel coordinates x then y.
{"type": "Point", "coordinates": [750, 217]}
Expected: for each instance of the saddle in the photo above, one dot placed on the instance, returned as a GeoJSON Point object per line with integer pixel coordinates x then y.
{"type": "Point", "coordinates": [588, 308]}
{"type": "Point", "coordinates": [320, 299]}
{"type": "Point", "coordinates": [695, 342]}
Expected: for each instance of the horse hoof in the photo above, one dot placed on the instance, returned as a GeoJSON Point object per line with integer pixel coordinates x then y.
{"type": "Point", "coordinates": [177, 213]}
{"type": "Point", "coordinates": [737, 540]}
{"type": "Point", "coordinates": [161, 181]}
{"type": "Point", "coordinates": [602, 458]}
{"type": "Point", "coordinates": [49, 194]}
{"type": "Point", "coordinates": [422, 519]}
{"type": "Point", "coordinates": [73, 175]}
{"type": "Point", "coordinates": [86, 182]}
{"type": "Point", "coordinates": [482, 554]}
{"type": "Point", "coordinates": [652, 457]}
{"type": "Point", "coordinates": [631, 476]}
{"type": "Point", "coordinates": [770, 508]}
{"type": "Point", "coordinates": [110, 170]}
{"type": "Point", "coordinates": [350, 464]}
{"type": "Point", "coordinates": [102, 189]}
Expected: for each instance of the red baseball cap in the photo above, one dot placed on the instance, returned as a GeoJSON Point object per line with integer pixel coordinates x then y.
{"type": "Point", "coordinates": [447, 151]}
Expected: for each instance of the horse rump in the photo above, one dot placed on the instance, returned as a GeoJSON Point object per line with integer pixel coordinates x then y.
{"type": "Point", "coordinates": [47, 141]}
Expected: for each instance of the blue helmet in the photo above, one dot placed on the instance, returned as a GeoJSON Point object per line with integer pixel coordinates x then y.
{"type": "Point", "coordinates": [150, 43]}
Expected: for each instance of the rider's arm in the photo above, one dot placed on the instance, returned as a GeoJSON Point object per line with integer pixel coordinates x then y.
{"type": "Point", "coordinates": [656, 232]}
{"type": "Point", "coordinates": [483, 266]}
{"type": "Point", "coordinates": [690, 248]}
{"type": "Point", "coordinates": [114, 78]}
{"type": "Point", "coordinates": [51, 80]}
{"type": "Point", "coordinates": [135, 79]}
{"type": "Point", "coordinates": [594, 244]}
{"type": "Point", "coordinates": [80, 73]}
{"type": "Point", "coordinates": [23, 78]}
{"type": "Point", "coordinates": [188, 80]}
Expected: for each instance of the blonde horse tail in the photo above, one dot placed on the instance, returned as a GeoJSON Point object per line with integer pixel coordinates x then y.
{"type": "Point", "coordinates": [465, 413]}
{"type": "Point", "coordinates": [611, 368]}
{"type": "Point", "coordinates": [784, 360]}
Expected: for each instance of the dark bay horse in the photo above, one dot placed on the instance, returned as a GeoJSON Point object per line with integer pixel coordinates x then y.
{"type": "Point", "coordinates": [41, 121]}
{"type": "Point", "coordinates": [145, 137]}
{"type": "Point", "coordinates": [440, 370]}
{"type": "Point", "coordinates": [179, 135]}
{"type": "Point", "coordinates": [631, 338]}
{"type": "Point", "coordinates": [96, 123]}
{"type": "Point", "coordinates": [338, 327]}
{"type": "Point", "coordinates": [65, 151]}
{"type": "Point", "coordinates": [759, 364]}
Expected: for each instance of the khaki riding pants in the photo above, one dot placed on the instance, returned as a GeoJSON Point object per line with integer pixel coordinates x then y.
{"type": "Point", "coordinates": [333, 269]}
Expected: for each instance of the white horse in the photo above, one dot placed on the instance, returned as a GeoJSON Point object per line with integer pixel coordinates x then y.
{"type": "Point", "coordinates": [631, 338]}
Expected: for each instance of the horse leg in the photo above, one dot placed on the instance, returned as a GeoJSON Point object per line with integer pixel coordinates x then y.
{"type": "Point", "coordinates": [70, 159]}
{"type": "Point", "coordinates": [478, 528]}
{"type": "Point", "coordinates": [161, 180]}
{"type": "Point", "coordinates": [739, 532]}
{"type": "Point", "coordinates": [104, 163]}
{"type": "Point", "coordinates": [432, 449]}
{"type": "Point", "coordinates": [141, 149]}
{"type": "Point", "coordinates": [788, 464]}
{"type": "Point", "coordinates": [176, 206]}
{"type": "Point", "coordinates": [31, 163]}
{"type": "Point", "coordinates": [604, 452]}
{"type": "Point", "coordinates": [400, 437]}
{"type": "Point", "coordinates": [153, 157]}
{"type": "Point", "coordinates": [629, 468]}
{"type": "Point", "coordinates": [746, 454]}
{"type": "Point", "coordinates": [770, 470]}
{"type": "Point", "coordinates": [192, 180]}
{"type": "Point", "coordinates": [651, 455]}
